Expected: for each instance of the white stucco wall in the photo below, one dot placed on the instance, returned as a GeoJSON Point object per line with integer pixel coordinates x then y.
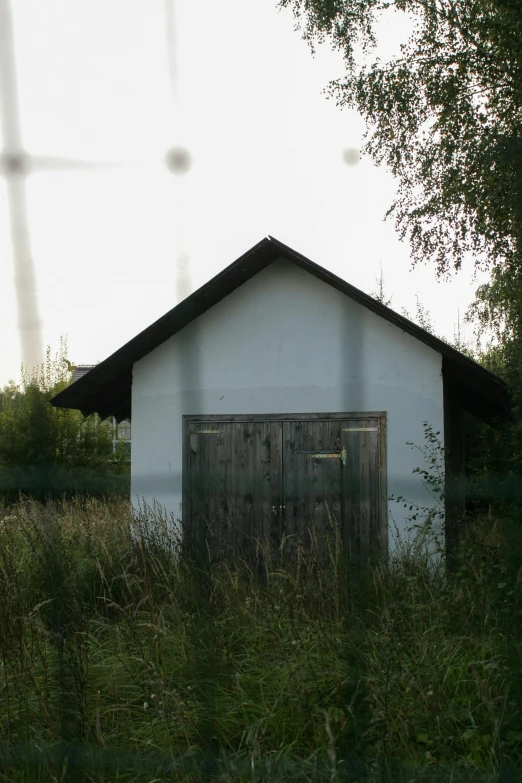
{"type": "Point", "coordinates": [284, 342]}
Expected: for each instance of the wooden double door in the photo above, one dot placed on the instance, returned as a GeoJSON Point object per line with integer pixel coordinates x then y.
{"type": "Point", "coordinates": [247, 478]}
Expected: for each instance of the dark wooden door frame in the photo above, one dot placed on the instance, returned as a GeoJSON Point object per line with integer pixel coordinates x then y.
{"type": "Point", "coordinates": [187, 419]}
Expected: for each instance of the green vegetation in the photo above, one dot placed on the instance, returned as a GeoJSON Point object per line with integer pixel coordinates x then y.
{"type": "Point", "coordinates": [493, 455]}
{"type": "Point", "coordinates": [444, 116]}
{"type": "Point", "coordinates": [50, 452]}
{"type": "Point", "coordinates": [123, 659]}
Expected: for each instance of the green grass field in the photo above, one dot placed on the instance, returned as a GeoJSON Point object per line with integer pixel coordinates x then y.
{"type": "Point", "coordinates": [122, 663]}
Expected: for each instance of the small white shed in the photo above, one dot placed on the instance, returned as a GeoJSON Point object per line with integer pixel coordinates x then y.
{"type": "Point", "coordinates": [278, 393]}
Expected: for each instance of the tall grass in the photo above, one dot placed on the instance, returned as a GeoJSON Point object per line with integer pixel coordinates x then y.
{"type": "Point", "coordinates": [123, 659]}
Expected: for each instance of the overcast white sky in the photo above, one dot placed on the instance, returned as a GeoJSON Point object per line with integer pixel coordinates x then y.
{"type": "Point", "coordinates": [267, 151]}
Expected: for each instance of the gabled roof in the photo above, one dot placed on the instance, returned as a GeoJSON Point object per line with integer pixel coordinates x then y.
{"type": "Point", "coordinates": [106, 388]}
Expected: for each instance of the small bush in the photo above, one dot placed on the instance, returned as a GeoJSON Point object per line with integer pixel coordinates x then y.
{"type": "Point", "coordinates": [48, 452]}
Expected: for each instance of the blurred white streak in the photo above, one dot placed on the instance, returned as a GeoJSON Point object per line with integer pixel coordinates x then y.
{"type": "Point", "coordinates": [171, 39]}
{"type": "Point", "coordinates": [37, 163]}
{"type": "Point", "coordinates": [183, 282]}
{"type": "Point", "coordinates": [177, 159]}
{"type": "Point", "coordinates": [13, 160]}
{"type": "Point", "coordinates": [16, 164]}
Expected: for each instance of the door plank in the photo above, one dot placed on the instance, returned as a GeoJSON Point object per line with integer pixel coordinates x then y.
{"type": "Point", "coordinates": [312, 481]}
{"type": "Point", "coordinates": [207, 479]}
{"type": "Point", "coordinates": [362, 513]}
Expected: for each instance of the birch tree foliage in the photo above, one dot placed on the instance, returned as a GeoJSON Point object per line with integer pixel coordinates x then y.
{"type": "Point", "coordinates": [444, 116]}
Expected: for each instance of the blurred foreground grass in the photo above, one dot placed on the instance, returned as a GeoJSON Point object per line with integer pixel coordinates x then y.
{"type": "Point", "coordinates": [123, 661]}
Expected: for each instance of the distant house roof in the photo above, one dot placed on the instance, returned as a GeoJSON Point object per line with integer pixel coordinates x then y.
{"type": "Point", "coordinates": [106, 388]}
{"type": "Point", "coordinates": [81, 370]}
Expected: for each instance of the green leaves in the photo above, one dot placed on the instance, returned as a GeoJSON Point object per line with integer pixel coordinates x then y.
{"type": "Point", "coordinates": [441, 116]}
{"type": "Point", "coordinates": [445, 117]}
{"type": "Point", "coordinates": [41, 446]}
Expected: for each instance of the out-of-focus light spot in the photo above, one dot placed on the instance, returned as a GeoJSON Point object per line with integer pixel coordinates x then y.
{"type": "Point", "coordinates": [351, 156]}
{"type": "Point", "coordinates": [14, 164]}
{"type": "Point", "coordinates": [178, 160]}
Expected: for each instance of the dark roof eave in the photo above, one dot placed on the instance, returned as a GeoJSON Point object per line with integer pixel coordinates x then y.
{"type": "Point", "coordinates": [94, 392]}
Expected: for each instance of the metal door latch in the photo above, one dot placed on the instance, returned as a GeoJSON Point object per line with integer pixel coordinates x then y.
{"type": "Point", "coordinates": [327, 454]}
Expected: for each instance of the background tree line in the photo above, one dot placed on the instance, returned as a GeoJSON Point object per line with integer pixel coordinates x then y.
{"type": "Point", "coordinates": [444, 116]}
{"type": "Point", "coordinates": [52, 452]}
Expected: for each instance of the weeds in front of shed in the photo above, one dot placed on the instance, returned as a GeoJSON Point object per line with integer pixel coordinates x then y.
{"type": "Point", "coordinates": [124, 658]}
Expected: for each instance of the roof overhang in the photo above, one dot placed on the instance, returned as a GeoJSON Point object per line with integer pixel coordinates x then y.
{"type": "Point", "coordinates": [106, 389]}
